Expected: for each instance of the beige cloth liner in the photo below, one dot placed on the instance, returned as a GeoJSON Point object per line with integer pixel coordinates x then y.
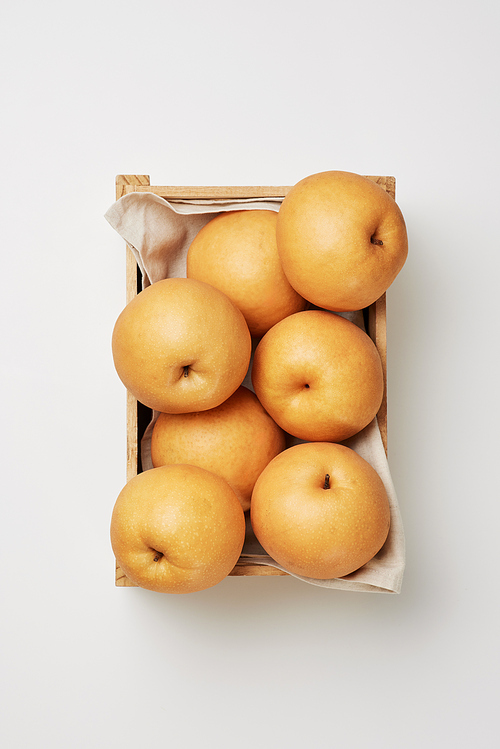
{"type": "Point", "coordinates": [159, 233]}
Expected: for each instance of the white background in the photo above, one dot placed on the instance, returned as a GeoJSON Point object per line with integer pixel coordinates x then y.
{"type": "Point", "coordinates": [261, 93]}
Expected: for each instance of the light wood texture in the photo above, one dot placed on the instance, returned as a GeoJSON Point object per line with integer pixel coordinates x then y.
{"type": "Point", "coordinates": [124, 181]}
{"type": "Point", "coordinates": [377, 330]}
{"type": "Point", "coordinates": [251, 564]}
{"type": "Point", "coordinates": [121, 580]}
{"type": "Point", "coordinates": [208, 192]}
{"type": "Point", "coordinates": [249, 569]}
{"type": "Point", "coordinates": [247, 565]}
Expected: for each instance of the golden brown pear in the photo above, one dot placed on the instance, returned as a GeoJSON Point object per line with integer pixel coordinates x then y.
{"type": "Point", "coordinates": [320, 510]}
{"type": "Point", "coordinates": [341, 239]}
{"type": "Point", "coordinates": [235, 440]}
{"type": "Point", "coordinates": [181, 345]}
{"type": "Point", "coordinates": [319, 376]}
{"type": "Point", "coordinates": [237, 253]}
{"type": "Point", "coordinates": [177, 529]}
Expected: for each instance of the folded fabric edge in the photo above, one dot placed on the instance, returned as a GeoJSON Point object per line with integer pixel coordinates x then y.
{"type": "Point", "coordinates": [333, 583]}
{"type": "Point", "coordinates": [186, 207]}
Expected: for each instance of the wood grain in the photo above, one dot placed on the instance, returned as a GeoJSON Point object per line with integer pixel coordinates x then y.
{"type": "Point", "coordinates": [212, 192]}
{"type": "Point", "coordinates": [124, 181]}
{"type": "Point", "coordinates": [377, 330]}
{"type": "Point", "coordinates": [248, 569]}
{"type": "Point", "coordinates": [128, 183]}
{"type": "Point", "coordinates": [208, 192]}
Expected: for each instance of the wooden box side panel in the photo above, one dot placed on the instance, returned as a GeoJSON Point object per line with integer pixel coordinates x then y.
{"type": "Point", "coordinates": [376, 319]}
{"type": "Point", "coordinates": [123, 184]}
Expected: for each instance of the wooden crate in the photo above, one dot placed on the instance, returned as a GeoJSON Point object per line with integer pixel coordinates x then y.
{"type": "Point", "coordinates": [138, 416]}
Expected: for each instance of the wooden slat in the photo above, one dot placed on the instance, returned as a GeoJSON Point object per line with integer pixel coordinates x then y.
{"type": "Point", "coordinates": [208, 192]}
{"type": "Point", "coordinates": [218, 192]}
{"type": "Point", "coordinates": [121, 580]}
{"type": "Point", "coordinates": [388, 183]}
{"type": "Point", "coordinates": [261, 570]}
{"type": "Point", "coordinates": [377, 329]}
{"type": "Point", "coordinates": [123, 182]}
{"type": "Point", "coordinates": [122, 185]}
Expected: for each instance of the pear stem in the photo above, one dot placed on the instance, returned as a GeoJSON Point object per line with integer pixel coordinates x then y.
{"type": "Point", "coordinates": [326, 485]}
{"type": "Point", "coordinates": [186, 370]}
{"type": "Point", "coordinates": [376, 241]}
